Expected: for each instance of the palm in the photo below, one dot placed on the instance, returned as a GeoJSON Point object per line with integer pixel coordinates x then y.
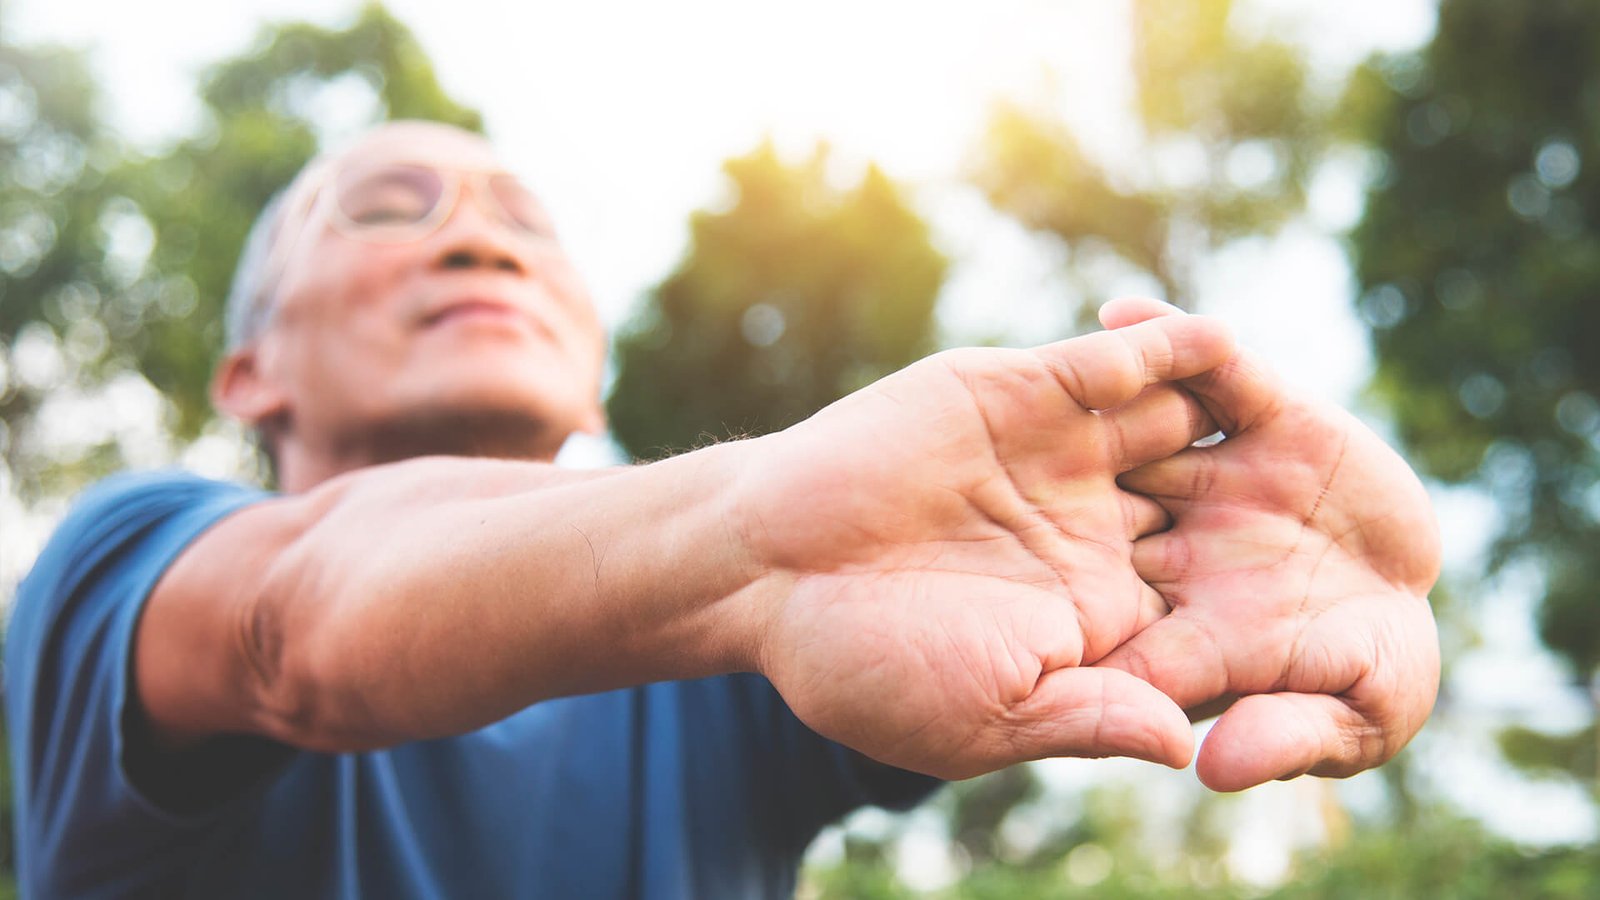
{"type": "Point", "coordinates": [950, 546]}
{"type": "Point", "coordinates": [1298, 567]}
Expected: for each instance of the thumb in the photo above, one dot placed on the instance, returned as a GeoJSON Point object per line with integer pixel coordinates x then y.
{"type": "Point", "coordinates": [1099, 712]}
{"type": "Point", "coordinates": [1268, 736]}
{"type": "Point", "coordinates": [1237, 394]}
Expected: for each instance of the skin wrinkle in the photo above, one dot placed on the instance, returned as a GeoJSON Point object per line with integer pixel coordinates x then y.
{"type": "Point", "coordinates": [1030, 510]}
{"type": "Point", "coordinates": [1271, 407]}
{"type": "Point", "coordinates": [1139, 369]}
{"type": "Point", "coordinates": [1061, 578]}
{"type": "Point", "coordinates": [1197, 417]}
{"type": "Point", "coordinates": [1131, 504]}
{"type": "Point", "coordinates": [1100, 720]}
{"type": "Point", "coordinates": [1322, 493]}
{"type": "Point", "coordinates": [1303, 605]}
{"type": "Point", "coordinates": [1216, 648]}
{"type": "Point", "coordinates": [1118, 440]}
{"type": "Point", "coordinates": [1374, 744]}
{"type": "Point", "coordinates": [1172, 543]}
{"type": "Point", "coordinates": [1362, 526]}
{"type": "Point", "coordinates": [1205, 476]}
{"type": "Point", "coordinates": [1065, 367]}
{"type": "Point", "coordinates": [260, 638]}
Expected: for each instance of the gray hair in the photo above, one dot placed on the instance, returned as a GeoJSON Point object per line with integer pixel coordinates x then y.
{"type": "Point", "coordinates": [250, 295]}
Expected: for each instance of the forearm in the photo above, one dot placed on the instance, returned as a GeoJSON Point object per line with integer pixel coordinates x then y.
{"type": "Point", "coordinates": [399, 617]}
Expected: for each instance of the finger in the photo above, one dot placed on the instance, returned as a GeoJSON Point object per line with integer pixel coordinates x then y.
{"type": "Point", "coordinates": [1144, 516]}
{"type": "Point", "coordinates": [1109, 368]}
{"type": "Point", "coordinates": [1240, 393]}
{"type": "Point", "coordinates": [1162, 559]}
{"type": "Point", "coordinates": [1152, 608]}
{"type": "Point", "coordinates": [1100, 712]}
{"type": "Point", "coordinates": [1181, 477]}
{"type": "Point", "coordinates": [1177, 657]}
{"type": "Point", "coordinates": [1168, 560]}
{"type": "Point", "coordinates": [1278, 736]}
{"type": "Point", "coordinates": [1125, 311]}
{"type": "Point", "coordinates": [1161, 421]}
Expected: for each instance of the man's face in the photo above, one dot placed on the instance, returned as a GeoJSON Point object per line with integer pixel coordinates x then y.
{"type": "Point", "coordinates": [481, 319]}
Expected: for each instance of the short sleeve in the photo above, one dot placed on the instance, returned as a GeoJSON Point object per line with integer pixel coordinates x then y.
{"type": "Point", "coordinates": [83, 827]}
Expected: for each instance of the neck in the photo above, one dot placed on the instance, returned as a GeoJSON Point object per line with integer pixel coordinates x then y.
{"type": "Point", "coordinates": [304, 463]}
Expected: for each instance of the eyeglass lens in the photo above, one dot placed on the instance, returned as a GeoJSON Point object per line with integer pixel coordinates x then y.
{"type": "Point", "coordinates": [390, 195]}
{"type": "Point", "coordinates": [404, 195]}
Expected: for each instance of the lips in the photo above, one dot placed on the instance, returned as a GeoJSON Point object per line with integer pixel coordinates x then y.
{"type": "Point", "coordinates": [475, 308]}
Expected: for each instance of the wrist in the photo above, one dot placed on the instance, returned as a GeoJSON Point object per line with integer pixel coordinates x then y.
{"type": "Point", "coordinates": [717, 577]}
{"type": "Point", "coordinates": [756, 588]}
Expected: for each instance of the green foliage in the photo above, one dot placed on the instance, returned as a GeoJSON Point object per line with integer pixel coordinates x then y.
{"type": "Point", "coordinates": [1440, 856]}
{"type": "Point", "coordinates": [1447, 858]}
{"type": "Point", "coordinates": [1479, 261]}
{"type": "Point", "coordinates": [201, 197]}
{"type": "Point", "coordinates": [1539, 753]}
{"type": "Point", "coordinates": [1230, 131]}
{"type": "Point", "coordinates": [119, 262]}
{"type": "Point", "coordinates": [795, 295]}
{"type": "Point", "coordinates": [53, 155]}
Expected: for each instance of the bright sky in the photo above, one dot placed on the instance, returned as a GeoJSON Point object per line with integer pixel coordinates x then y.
{"type": "Point", "coordinates": [622, 112]}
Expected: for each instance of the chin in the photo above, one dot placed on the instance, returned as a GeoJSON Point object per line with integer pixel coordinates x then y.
{"type": "Point", "coordinates": [535, 390]}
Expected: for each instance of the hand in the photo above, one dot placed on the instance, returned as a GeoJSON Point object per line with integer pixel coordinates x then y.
{"type": "Point", "coordinates": [1298, 569]}
{"type": "Point", "coordinates": [944, 549]}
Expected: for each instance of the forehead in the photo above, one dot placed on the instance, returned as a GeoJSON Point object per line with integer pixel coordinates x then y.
{"type": "Point", "coordinates": [421, 142]}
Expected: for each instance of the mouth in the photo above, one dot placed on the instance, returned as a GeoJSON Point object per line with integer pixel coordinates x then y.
{"type": "Point", "coordinates": [477, 309]}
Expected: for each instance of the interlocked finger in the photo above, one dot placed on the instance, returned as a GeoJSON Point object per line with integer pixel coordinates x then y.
{"type": "Point", "coordinates": [1109, 368]}
{"type": "Point", "coordinates": [1161, 421]}
{"type": "Point", "coordinates": [1145, 516]}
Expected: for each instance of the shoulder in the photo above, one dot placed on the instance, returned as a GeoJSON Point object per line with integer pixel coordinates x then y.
{"type": "Point", "coordinates": [129, 526]}
{"type": "Point", "coordinates": [132, 496]}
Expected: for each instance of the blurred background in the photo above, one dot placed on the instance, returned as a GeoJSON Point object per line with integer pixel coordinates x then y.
{"type": "Point", "coordinates": [1396, 201]}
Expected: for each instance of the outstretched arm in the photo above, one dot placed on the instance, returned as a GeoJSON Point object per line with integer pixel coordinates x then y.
{"type": "Point", "coordinates": [1298, 569]}
{"type": "Point", "coordinates": [920, 569]}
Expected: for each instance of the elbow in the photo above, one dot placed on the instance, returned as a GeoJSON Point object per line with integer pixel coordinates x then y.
{"type": "Point", "coordinates": [304, 672]}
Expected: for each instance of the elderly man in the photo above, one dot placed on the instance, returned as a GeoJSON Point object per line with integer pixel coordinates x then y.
{"type": "Point", "coordinates": [435, 665]}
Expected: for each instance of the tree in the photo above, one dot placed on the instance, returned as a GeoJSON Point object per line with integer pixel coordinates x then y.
{"type": "Point", "coordinates": [120, 263]}
{"type": "Point", "coordinates": [1479, 261]}
{"type": "Point", "coordinates": [54, 155]}
{"type": "Point", "coordinates": [1229, 130]}
{"type": "Point", "coordinates": [265, 119]}
{"type": "Point", "coordinates": [793, 296]}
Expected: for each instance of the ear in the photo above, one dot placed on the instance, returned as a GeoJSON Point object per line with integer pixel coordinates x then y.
{"type": "Point", "coordinates": [241, 389]}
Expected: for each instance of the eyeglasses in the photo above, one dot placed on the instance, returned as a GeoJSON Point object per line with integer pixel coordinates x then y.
{"type": "Point", "coordinates": [394, 203]}
{"type": "Point", "coordinates": [398, 202]}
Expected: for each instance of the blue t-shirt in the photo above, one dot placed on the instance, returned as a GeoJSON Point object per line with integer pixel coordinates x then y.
{"type": "Point", "coordinates": [708, 788]}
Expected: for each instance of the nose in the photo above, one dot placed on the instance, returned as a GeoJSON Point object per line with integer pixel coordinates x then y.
{"type": "Point", "coordinates": [473, 237]}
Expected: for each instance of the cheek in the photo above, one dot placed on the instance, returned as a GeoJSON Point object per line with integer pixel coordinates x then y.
{"type": "Point", "coordinates": [349, 283]}
{"type": "Point", "coordinates": [353, 308]}
{"type": "Point", "coordinates": [585, 336]}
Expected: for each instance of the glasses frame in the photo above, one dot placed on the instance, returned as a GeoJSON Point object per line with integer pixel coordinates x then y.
{"type": "Point", "coordinates": [452, 179]}
{"type": "Point", "coordinates": [316, 195]}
